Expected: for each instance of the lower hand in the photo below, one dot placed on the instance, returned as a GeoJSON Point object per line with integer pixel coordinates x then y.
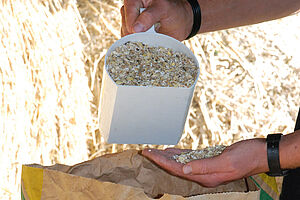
{"type": "Point", "coordinates": [242, 159]}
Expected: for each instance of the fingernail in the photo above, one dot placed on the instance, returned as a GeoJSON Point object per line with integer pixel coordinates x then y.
{"type": "Point", "coordinates": [187, 169]}
{"type": "Point", "coordinates": [138, 27]}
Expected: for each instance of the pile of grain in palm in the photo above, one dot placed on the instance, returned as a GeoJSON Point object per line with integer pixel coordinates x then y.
{"type": "Point", "coordinates": [138, 64]}
{"type": "Point", "coordinates": [207, 152]}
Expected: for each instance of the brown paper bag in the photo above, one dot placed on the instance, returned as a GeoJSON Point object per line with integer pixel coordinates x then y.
{"type": "Point", "coordinates": [127, 175]}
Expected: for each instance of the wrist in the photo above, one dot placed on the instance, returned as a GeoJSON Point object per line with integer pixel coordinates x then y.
{"type": "Point", "coordinates": [261, 152]}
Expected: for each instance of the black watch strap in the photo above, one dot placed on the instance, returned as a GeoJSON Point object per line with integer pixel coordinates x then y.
{"type": "Point", "coordinates": [273, 155]}
{"type": "Point", "coordinates": [197, 18]}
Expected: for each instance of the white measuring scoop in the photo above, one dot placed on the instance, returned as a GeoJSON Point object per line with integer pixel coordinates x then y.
{"type": "Point", "coordinates": [144, 114]}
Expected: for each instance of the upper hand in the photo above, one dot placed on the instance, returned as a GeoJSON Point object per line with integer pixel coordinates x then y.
{"type": "Point", "coordinates": [175, 17]}
{"type": "Point", "coordinates": [239, 160]}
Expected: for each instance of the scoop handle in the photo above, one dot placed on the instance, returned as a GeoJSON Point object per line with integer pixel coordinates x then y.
{"type": "Point", "coordinates": [152, 29]}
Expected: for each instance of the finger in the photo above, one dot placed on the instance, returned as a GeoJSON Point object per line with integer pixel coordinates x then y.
{"type": "Point", "coordinates": [131, 11]}
{"type": "Point", "coordinates": [168, 153]}
{"type": "Point", "coordinates": [164, 159]}
{"type": "Point", "coordinates": [148, 18]}
{"type": "Point", "coordinates": [150, 153]}
{"type": "Point", "coordinates": [205, 166]}
{"type": "Point", "coordinates": [177, 151]}
{"type": "Point", "coordinates": [123, 28]}
{"type": "Point", "coordinates": [122, 32]}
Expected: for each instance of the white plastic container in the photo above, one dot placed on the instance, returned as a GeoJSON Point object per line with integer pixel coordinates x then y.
{"type": "Point", "coordinates": [140, 114]}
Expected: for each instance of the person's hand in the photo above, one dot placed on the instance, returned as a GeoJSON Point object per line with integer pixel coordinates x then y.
{"type": "Point", "coordinates": [174, 17]}
{"type": "Point", "coordinates": [239, 160]}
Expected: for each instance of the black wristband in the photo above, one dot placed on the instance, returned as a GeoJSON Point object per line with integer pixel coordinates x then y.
{"type": "Point", "coordinates": [197, 18]}
{"type": "Point", "coordinates": [273, 155]}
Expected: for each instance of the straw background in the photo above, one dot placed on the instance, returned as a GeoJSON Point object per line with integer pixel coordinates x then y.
{"type": "Point", "coordinates": [51, 63]}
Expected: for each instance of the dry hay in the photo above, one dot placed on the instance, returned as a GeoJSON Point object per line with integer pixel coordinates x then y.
{"type": "Point", "coordinates": [45, 112]}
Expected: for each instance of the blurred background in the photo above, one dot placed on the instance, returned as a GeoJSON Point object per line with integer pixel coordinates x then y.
{"type": "Point", "coordinates": [51, 63]}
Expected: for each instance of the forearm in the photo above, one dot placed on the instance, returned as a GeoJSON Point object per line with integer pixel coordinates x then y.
{"type": "Point", "coordinates": [224, 14]}
{"type": "Point", "coordinates": [289, 151]}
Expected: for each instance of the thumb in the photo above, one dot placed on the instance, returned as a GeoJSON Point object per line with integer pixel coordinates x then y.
{"type": "Point", "coordinates": [203, 166]}
{"type": "Point", "coordinates": [148, 18]}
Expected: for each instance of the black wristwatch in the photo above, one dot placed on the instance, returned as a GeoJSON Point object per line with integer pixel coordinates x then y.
{"type": "Point", "coordinates": [273, 155]}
